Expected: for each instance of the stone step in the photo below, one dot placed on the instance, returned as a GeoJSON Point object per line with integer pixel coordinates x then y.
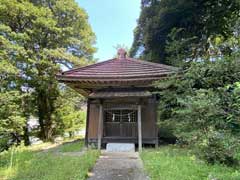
{"type": "Point", "coordinates": [120, 147]}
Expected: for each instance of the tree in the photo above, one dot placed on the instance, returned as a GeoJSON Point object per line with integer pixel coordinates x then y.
{"type": "Point", "coordinates": [70, 115]}
{"type": "Point", "coordinates": [12, 120]}
{"type": "Point", "coordinates": [38, 37]}
{"type": "Point", "coordinates": [185, 28]}
{"type": "Point", "coordinates": [201, 107]}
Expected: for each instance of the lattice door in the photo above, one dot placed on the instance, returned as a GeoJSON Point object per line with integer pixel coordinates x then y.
{"type": "Point", "coordinates": [120, 123]}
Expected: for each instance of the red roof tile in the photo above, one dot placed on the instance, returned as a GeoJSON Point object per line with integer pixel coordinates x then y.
{"type": "Point", "coordinates": [123, 69]}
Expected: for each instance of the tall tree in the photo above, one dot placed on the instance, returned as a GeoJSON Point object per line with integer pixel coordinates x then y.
{"type": "Point", "coordinates": [45, 35]}
{"type": "Point", "coordinates": [167, 28]}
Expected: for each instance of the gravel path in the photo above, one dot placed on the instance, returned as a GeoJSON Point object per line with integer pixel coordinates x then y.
{"type": "Point", "coordinates": [118, 166]}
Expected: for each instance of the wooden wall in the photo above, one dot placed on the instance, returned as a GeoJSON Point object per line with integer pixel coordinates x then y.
{"type": "Point", "coordinates": [93, 120]}
{"type": "Point", "coordinates": [149, 129]}
{"type": "Point", "coordinates": [149, 119]}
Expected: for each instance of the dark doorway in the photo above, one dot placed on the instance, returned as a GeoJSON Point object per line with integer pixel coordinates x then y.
{"type": "Point", "coordinates": [120, 123]}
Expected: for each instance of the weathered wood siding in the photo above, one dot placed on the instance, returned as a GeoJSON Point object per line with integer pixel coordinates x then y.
{"type": "Point", "coordinates": [93, 121]}
{"type": "Point", "coordinates": [148, 120]}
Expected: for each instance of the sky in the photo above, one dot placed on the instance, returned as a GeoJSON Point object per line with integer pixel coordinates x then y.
{"type": "Point", "coordinates": [113, 22]}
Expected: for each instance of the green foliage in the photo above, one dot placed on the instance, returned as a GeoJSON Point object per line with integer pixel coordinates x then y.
{"type": "Point", "coordinates": [201, 104]}
{"type": "Point", "coordinates": [36, 39]}
{"type": "Point", "coordinates": [202, 107]}
{"type": "Point", "coordinates": [174, 163]}
{"type": "Point", "coordinates": [69, 115]}
{"type": "Point", "coordinates": [11, 119]}
{"type": "Point", "coordinates": [72, 119]}
{"type": "Point", "coordinates": [178, 50]}
{"type": "Point", "coordinates": [170, 31]}
{"type": "Point", "coordinates": [11, 114]}
{"type": "Point", "coordinates": [218, 147]}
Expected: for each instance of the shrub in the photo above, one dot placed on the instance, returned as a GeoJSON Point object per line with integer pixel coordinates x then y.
{"type": "Point", "coordinates": [3, 143]}
{"type": "Point", "coordinates": [202, 105]}
{"type": "Point", "coordinates": [218, 147]}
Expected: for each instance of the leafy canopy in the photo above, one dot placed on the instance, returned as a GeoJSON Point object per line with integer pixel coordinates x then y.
{"type": "Point", "coordinates": [37, 39]}
{"type": "Point", "coordinates": [180, 30]}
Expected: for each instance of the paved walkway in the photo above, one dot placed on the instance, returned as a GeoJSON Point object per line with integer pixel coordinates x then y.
{"type": "Point", "coordinates": [118, 166]}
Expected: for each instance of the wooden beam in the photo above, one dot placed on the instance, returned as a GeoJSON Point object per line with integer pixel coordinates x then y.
{"type": "Point", "coordinates": [139, 128]}
{"type": "Point", "coordinates": [95, 84]}
{"type": "Point", "coordinates": [100, 128]}
{"type": "Point", "coordinates": [83, 92]}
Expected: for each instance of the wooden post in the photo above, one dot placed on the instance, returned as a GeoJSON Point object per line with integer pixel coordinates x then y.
{"type": "Point", "coordinates": [87, 123]}
{"type": "Point", "coordinates": [100, 124]}
{"type": "Point", "coordinates": [156, 120]}
{"type": "Point", "coordinates": [139, 128]}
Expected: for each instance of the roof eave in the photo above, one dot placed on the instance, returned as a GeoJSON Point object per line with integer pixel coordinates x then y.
{"type": "Point", "coordinates": [112, 79]}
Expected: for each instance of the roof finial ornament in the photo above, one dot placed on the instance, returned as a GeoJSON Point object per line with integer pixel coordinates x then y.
{"type": "Point", "coordinates": [122, 53]}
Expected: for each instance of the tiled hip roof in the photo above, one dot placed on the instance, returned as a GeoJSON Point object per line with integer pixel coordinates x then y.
{"type": "Point", "coordinates": [118, 69]}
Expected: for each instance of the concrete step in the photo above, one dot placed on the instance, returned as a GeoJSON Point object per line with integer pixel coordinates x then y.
{"type": "Point", "coordinates": [120, 147]}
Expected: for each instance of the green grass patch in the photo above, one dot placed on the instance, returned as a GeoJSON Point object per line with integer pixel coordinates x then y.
{"type": "Point", "coordinates": [33, 165]}
{"type": "Point", "coordinates": [172, 163]}
{"type": "Point", "coordinates": [75, 146]}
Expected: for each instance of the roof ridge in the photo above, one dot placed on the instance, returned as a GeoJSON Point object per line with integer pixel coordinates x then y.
{"type": "Point", "coordinates": [154, 64]}
{"type": "Point", "coordinates": [88, 66]}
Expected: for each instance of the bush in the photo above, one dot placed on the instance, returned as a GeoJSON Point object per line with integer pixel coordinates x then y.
{"type": "Point", "coordinates": [3, 143]}
{"type": "Point", "coordinates": [202, 105]}
{"type": "Point", "coordinates": [218, 147]}
{"type": "Point", "coordinates": [166, 133]}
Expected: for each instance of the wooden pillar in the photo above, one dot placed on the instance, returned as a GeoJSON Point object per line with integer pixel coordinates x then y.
{"type": "Point", "coordinates": [87, 123]}
{"type": "Point", "coordinates": [100, 126]}
{"type": "Point", "coordinates": [139, 128]}
{"type": "Point", "coordinates": [156, 120]}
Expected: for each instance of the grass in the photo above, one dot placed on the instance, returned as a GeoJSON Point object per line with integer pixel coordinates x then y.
{"type": "Point", "coordinates": [172, 163]}
{"type": "Point", "coordinates": [28, 164]}
{"type": "Point", "coordinates": [72, 146]}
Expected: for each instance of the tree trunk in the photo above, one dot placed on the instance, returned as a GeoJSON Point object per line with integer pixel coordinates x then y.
{"type": "Point", "coordinates": [71, 134]}
{"type": "Point", "coordinates": [16, 138]}
{"type": "Point", "coordinates": [45, 120]}
{"type": "Point", "coordinates": [41, 115]}
{"type": "Point", "coordinates": [46, 99]}
{"type": "Point", "coordinates": [26, 136]}
{"type": "Point", "coordinates": [26, 112]}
